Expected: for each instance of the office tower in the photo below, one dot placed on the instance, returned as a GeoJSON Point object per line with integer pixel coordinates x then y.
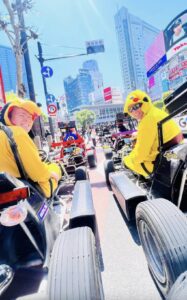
{"type": "Point", "coordinates": [134, 37]}
{"type": "Point", "coordinates": [77, 89]}
{"type": "Point", "coordinates": [8, 66]}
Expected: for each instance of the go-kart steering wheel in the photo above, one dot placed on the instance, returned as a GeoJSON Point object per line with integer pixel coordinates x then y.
{"type": "Point", "coordinates": [70, 138]}
{"type": "Point", "coordinates": [43, 154]}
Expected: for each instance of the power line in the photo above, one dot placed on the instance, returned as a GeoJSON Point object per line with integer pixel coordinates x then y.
{"type": "Point", "coordinates": [62, 46]}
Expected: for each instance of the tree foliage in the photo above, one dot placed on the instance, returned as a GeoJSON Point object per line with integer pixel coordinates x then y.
{"type": "Point", "coordinates": [160, 103]}
{"type": "Point", "coordinates": [85, 117]}
{"type": "Point", "coordinates": [14, 28]}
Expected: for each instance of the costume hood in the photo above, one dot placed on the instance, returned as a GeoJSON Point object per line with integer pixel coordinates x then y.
{"type": "Point", "coordinates": [28, 105]}
{"type": "Point", "coordinates": [138, 96]}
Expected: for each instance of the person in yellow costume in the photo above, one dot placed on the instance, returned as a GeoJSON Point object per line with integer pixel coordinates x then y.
{"type": "Point", "coordinates": [141, 159]}
{"type": "Point", "coordinates": [19, 116]}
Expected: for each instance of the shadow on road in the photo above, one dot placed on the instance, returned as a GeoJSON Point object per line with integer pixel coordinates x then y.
{"type": "Point", "coordinates": [99, 184]}
{"type": "Point", "coordinates": [26, 281]}
{"type": "Point", "coordinates": [131, 225]}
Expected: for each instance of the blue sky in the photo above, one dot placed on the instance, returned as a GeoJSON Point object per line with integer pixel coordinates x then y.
{"type": "Point", "coordinates": [63, 24]}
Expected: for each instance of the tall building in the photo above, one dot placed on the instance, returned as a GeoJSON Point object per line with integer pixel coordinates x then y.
{"type": "Point", "coordinates": [97, 78]}
{"type": "Point", "coordinates": [134, 37]}
{"type": "Point", "coordinates": [77, 90]}
{"type": "Point", "coordinates": [8, 66]}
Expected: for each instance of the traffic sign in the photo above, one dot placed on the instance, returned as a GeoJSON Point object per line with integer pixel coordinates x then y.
{"type": "Point", "coordinates": [52, 109]}
{"type": "Point", "coordinates": [50, 99]}
{"type": "Point", "coordinates": [95, 46]}
{"type": "Point", "coordinates": [47, 71]}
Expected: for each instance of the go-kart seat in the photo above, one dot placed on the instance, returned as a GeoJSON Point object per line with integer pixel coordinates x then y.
{"type": "Point", "coordinates": [167, 174]}
{"type": "Point", "coordinates": [120, 144]}
{"type": "Point", "coordinates": [8, 182]}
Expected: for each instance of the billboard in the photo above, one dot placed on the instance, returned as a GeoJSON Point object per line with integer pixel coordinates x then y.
{"type": "Point", "coordinates": [155, 53]}
{"type": "Point", "coordinates": [107, 94]}
{"type": "Point", "coordinates": [175, 35]}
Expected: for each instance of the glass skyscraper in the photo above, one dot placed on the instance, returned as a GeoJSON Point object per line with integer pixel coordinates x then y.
{"type": "Point", "coordinates": [8, 67]}
{"type": "Point", "coordinates": [97, 79]}
{"type": "Point", "coordinates": [77, 90]}
{"type": "Point", "coordinates": [134, 37]}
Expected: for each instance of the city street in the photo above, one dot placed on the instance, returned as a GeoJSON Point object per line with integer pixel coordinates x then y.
{"type": "Point", "coordinates": [125, 274]}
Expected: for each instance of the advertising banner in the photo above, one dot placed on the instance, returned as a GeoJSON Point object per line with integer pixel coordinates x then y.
{"type": "Point", "coordinates": [175, 35]}
{"type": "Point", "coordinates": [155, 54]}
{"type": "Point", "coordinates": [159, 63]}
{"type": "Point", "coordinates": [107, 94]}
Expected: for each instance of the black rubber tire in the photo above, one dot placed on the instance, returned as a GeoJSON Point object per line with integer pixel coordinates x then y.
{"type": "Point", "coordinates": [179, 289]}
{"type": "Point", "coordinates": [162, 230]}
{"type": "Point", "coordinates": [74, 272]}
{"type": "Point", "coordinates": [108, 168]}
{"type": "Point", "coordinates": [91, 159]}
{"type": "Point", "coordinates": [108, 153]}
{"type": "Point", "coordinates": [81, 173]}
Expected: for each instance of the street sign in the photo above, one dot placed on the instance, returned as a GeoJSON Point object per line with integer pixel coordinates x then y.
{"type": "Point", "coordinates": [50, 99]}
{"type": "Point", "coordinates": [47, 71]}
{"type": "Point", "coordinates": [52, 109]}
{"type": "Point", "coordinates": [95, 46]}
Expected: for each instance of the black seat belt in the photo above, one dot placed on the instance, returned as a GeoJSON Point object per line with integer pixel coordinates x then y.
{"type": "Point", "coordinates": [14, 149]}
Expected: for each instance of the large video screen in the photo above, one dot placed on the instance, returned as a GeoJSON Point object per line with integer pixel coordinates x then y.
{"type": "Point", "coordinates": [155, 52]}
{"type": "Point", "coordinates": [176, 32]}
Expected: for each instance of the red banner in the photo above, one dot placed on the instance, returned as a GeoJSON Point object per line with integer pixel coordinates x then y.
{"type": "Point", "coordinates": [107, 94]}
{"type": "Point", "coordinates": [2, 91]}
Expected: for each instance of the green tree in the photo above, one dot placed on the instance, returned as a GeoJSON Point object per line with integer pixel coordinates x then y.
{"type": "Point", "coordinates": [160, 103]}
{"type": "Point", "coordinates": [85, 117]}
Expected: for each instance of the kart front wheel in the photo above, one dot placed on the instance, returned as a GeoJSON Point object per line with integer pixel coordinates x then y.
{"type": "Point", "coordinates": [81, 173]}
{"type": "Point", "coordinates": [108, 168]}
{"type": "Point", "coordinates": [74, 270]}
{"type": "Point", "coordinates": [108, 153]}
{"type": "Point", "coordinates": [91, 159]}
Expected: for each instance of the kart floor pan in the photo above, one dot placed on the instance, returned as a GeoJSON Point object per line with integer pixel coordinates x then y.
{"type": "Point", "coordinates": [128, 194]}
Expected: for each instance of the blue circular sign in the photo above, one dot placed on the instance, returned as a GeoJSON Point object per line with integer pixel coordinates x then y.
{"type": "Point", "coordinates": [50, 99]}
{"type": "Point", "coordinates": [47, 71]}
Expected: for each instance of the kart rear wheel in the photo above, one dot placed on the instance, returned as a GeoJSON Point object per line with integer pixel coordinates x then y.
{"type": "Point", "coordinates": [179, 289]}
{"type": "Point", "coordinates": [74, 270]}
{"type": "Point", "coordinates": [108, 168]}
{"type": "Point", "coordinates": [91, 159]}
{"type": "Point", "coordinates": [162, 229]}
{"type": "Point", "coordinates": [108, 153]}
{"type": "Point", "coordinates": [81, 173]}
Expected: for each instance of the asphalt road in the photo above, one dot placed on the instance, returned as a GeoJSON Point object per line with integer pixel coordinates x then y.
{"type": "Point", "coordinates": [125, 275]}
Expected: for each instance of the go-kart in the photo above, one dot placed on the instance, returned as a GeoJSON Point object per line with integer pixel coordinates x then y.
{"type": "Point", "coordinates": [160, 205]}
{"type": "Point", "coordinates": [117, 140]}
{"type": "Point", "coordinates": [35, 233]}
{"type": "Point", "coordinates": [75, 153]}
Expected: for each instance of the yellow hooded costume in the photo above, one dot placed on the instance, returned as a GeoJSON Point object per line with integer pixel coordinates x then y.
{"type": "Point", "coordinates": [36, 170]}
{"type": "Point", "coordinates": [142, 157]}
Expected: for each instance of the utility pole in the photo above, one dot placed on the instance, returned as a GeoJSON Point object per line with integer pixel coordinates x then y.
{"type": "Point", "coordinates": [25, 51]}
{"type": "Point", "coordinates": [38, 126]}
{"type": "Point", "coordinates": [41, 61]}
